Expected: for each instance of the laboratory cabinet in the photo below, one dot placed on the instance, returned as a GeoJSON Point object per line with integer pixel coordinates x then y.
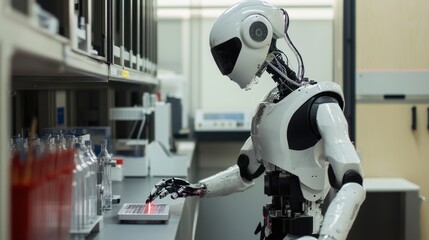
{"type": "Point", "coordinates": [392, 139]}
{"type": "Point", "coordinates": [72, 57]}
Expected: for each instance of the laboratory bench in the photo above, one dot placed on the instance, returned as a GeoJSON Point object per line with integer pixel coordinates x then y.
{"type": "Point", "coordinates": [393, 203]}
{"type": "Point", "coordinates": [181, 224]}
{"type": "Point", "coordinates": [136, 190]}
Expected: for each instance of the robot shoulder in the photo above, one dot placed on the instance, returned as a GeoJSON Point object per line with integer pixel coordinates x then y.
{"type": "Point", "coordinates": [302, 130]}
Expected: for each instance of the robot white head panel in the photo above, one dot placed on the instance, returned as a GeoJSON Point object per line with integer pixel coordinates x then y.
{"type": "Point", "coordinates": [241, 37]}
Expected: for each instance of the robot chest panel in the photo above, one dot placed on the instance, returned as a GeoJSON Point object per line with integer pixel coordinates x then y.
{"type": "Point", "coordinates": [279, 130]}
{"type": "Point", "coordinates": [293, 123]}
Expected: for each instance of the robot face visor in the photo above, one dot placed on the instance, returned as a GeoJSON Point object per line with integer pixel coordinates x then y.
{"type": "Point", "coordinates": [226, 54]}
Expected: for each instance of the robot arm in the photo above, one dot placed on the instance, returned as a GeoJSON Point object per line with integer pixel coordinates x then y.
{"type": "Point", "coordinates": [345, 172]}
{"type": "Point", "coordinates": [234, 179]}
{"type": "Point", "coordinates": [339, 150]}
{"type": "Point", "coordinates": [238, 177]}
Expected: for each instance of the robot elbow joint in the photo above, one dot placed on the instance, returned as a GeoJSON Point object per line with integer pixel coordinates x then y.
{"type": "Point", "coordinates": [243, 164]}
{"type": "Point", "coordinates": [352, 176]}
{"type": "Point", "coordinates": [348, 177]}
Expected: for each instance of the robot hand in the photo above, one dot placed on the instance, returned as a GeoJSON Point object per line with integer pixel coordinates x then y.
{"type": "Point", "coordinates": [177, 187]}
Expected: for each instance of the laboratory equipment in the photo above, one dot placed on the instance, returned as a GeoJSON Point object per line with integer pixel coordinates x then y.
{"type": "Point", "coordinates": [215, 120]}
{"type": "Point", "coordinates": [298, 134]}
{"type": "Point", "coordinates": [144, 212]}
{"type": "Point", "coordinates": [91, 160]}
{"type": "Point", "coordinates": [85, 186]}
{"type": "Point", "coordinates": [174, 89]}
{"type": "Point", "coordinates": [156, 153]}
{"type": "Point", "coordinates": [41, 188]}
{"type": "Point", "coordinates": [105, 164]}
{"type": "Point", "coordinates": [117, 170]}
{"type": "Point", "coordinates": [133, 149]}
{"type": "Point", "coordinates": [163, 162]}
{"type": "Point", "coordinates": [84, 215]}
{"type": "Point", "coordinates": [78, 191]}
{"type": "Point", "coordinates": [86, 136]}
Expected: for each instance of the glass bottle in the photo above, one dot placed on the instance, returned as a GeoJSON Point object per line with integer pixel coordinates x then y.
{"type": "Point", "coordinates": [77, 193]}
{"type": "Point", "coordinates": [104, 160]}
{"type": "Point", "coordinates": [84, 185]}
{"type": "Point", "coordinates": [91, 160]}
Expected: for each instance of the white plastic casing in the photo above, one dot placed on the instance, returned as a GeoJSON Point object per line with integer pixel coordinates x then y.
{"type": "Point", "coordinates": [225, 182]}
{"type": "Point", "coordinates": [339, 150]}
{"type": "Point", "coordinates": [342, 212]}
{"type": "Point", "coordinates": [269, 135]}
{"type": "Point", "coordinates": [234, 23]}
{"type": "Point", "coordinates": [245, 31]}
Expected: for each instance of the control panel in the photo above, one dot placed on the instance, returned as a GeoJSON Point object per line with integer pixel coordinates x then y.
{"type": "Point", "coordinates": [222, 120]}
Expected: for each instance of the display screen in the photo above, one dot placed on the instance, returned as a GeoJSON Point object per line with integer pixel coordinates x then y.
{"type": "Point", "coordinates": [224, 116]}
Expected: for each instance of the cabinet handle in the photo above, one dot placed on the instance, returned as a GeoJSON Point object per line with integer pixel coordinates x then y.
{"type": "Point", "coordinates": [413, 118]}
{"type": "Point", "coordinates": [428, 118]}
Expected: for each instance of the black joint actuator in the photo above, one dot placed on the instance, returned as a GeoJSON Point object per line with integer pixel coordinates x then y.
{"type": "Point", "coordinates": [243, 164]}
{"type": "Point", "coordinates": [352, 176]}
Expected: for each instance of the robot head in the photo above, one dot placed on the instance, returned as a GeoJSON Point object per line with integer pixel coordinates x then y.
{"type": "Point", "coordinates": [241, 37]}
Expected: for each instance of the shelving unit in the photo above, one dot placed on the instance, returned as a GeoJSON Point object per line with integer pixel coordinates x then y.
{"type": "Point", "coordinates": [73, 42]}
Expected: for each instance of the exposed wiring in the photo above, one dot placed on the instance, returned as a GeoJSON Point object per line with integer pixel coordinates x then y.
{"type": "Point", "coordinates": [293, 48]}
{"type": "Point", "coordinates": [283, 75]}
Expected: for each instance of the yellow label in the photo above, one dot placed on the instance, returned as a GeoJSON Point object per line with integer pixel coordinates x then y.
{"type": "Point", "coordinates": [125, 74]}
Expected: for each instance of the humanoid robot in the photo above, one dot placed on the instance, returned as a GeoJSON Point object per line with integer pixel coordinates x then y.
{"type": "Point", "coordinates": [299, 138]}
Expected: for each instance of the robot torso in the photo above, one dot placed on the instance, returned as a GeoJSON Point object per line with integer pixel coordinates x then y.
{"type": "Point", "coordinates": [284, 134]}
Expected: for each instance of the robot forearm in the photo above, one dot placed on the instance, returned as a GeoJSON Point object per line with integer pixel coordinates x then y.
{"type": "Point", "coordinates": [234, 179]}
{"type": "Point", "coordinates": [225, 182]}
{"type": "Point", "coordinates": [342, 212]}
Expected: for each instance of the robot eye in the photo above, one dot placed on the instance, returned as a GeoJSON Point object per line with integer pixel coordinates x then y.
{"type": "Point", "coordinates": [258, 31]}
{"type": "Point", "coordinates": [226, 55]}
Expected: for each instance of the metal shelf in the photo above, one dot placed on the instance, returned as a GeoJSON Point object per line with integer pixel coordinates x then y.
{"type": "Point", "coordinates": [31, 54]}
{"type": "Point", "coordinates": [40, 53]}
{"type": "Point", "coordinates": [81, 63]}
{"type": "Point", "coordinates": [56, 56]}
{"type": "Point", "coordinates": [124, 74]}
{"type": "Point", "coordinates": [24, 36]}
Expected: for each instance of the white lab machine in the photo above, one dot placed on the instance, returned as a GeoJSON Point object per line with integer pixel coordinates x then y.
{"type": "Point", "coordinates": [212, 120]}
{"type": "Point", "coordinates": [162, 161]}
{"type": "Point", "coordinates": [156, 153]}
{"type": "Point", "coordinates": [175, 86]}
{"type": "Point", "coordinates": [136, 164]}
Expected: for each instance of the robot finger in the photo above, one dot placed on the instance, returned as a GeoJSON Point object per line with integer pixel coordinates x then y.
{"type": "Point", "coordinates": [155, 191]}
{"type": "Point", "coordinates": [163, 193]}
{"type": "Point", "coordinates": [151, 197]}
{"type": "Point", "coordinates": [174, 195]}
{"type": "Point", "coordinates": [161, 184]}
{"type": "Point", "coordinates": [182, 192]}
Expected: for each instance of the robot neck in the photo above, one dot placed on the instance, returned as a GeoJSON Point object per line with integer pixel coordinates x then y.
{"type": "Point", "coordinates": [284, 86]}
